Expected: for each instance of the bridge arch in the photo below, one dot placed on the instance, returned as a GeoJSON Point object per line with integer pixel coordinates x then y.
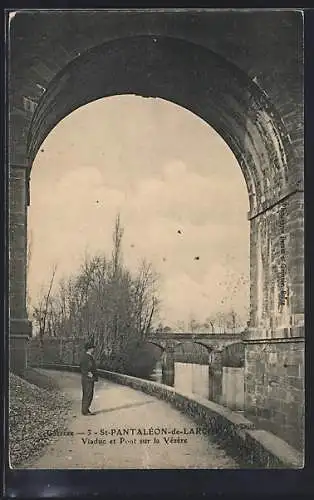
{"type": "Point", "coordinates": [208, 348]}
{"type": "Point", "coordinates": [191, 351]}
{"type": "Point", "coordinates": [157, 344]}
{"type": "Point", "coordinates": [169, 68]}
{"type": "Point", "coordinates": [225, 97]}
{"type": "Point", "coordinates": [70, 59]}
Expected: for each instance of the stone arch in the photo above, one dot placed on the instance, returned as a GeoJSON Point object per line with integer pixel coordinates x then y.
{"type": "Point", "coordinates": [205, 351]}
{"type": "Point", "coordinates": [157, 344]}
{"type": "Point", "coordinates": [209, 348]}
{"type": "Point", "coordinates": [214, 89]}
{"type": "Point", "coordinates": [202, 82]}
{"type": "Point", "coordinates": [228, 81]}
{"type": "Point", "coordinates": [233, 354]}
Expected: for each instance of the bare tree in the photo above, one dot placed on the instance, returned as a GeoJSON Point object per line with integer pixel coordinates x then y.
{"type": "Point", "coordinates": [108, 303]}
{"type": "Point", "coordinates": [40, 313]}
{"type": "Point", "coordinates": [144, 298]}
{"type": "Point", "coordinates": [117, 242]}
{"type": "Point", "coordinates": [224, 322]}
{"type": "Point", "coordinates": [180, 326]}
{"type": "Point", "coordinates": [209, 324]}
{"type": "Point", "coordinates": [193, 324]}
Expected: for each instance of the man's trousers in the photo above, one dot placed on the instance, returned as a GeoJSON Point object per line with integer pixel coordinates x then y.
{"type": "Point", "coordinates": [87, 393]}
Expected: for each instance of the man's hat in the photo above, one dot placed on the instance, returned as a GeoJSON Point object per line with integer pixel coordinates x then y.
{"type": "Point", "coordinates": [89, 345]}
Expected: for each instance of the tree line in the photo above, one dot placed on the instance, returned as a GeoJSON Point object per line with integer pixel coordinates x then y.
{"type": "Point", "coordinates": [221, 322]}
{"type": "Point", "coordinates": [103, 301]}
{"type": "Point", "coordinates": [115, 307]}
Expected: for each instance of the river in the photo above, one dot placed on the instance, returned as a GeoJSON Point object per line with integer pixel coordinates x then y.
{"type": "Point", "coordinates": [188, 377]}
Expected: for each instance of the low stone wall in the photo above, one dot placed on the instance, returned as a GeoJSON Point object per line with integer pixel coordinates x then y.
{"type": "Point", "coordinates": [255, 448]}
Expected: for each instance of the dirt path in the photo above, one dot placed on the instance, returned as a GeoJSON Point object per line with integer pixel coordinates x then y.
{"type": "Point", "coordinates": [130, 430]}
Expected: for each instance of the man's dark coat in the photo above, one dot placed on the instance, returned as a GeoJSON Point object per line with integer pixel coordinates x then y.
{"type": "Point", "coordinates": [87, 366]}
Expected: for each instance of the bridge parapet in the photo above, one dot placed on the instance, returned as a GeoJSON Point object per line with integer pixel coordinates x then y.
{"type": "Point", "coordinates": [210, 341]}
{"type": "Point", "coordinates": [197, 336]}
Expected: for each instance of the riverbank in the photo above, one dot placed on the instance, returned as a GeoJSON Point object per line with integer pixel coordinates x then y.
{"type": "Point", "coordinates": [36, 411]}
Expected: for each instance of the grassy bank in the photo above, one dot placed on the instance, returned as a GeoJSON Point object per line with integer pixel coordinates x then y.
{"type": "Point", "coordinates": [36, 409]}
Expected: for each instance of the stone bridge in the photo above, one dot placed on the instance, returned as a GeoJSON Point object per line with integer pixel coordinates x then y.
{"type": "Point", "coordinates": [242, 73]}
{"type": "Point", "coordinates": [210, 341]}
{"type": "Point", "coordinates": [213, 343]}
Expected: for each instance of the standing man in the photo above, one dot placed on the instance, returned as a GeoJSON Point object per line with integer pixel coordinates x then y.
{"type": "Point", "coordinates": [89, 377]}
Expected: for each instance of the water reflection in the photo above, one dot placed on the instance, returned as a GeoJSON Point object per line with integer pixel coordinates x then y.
{"type": "Point", "coordinates": [156, 374]}
{"type": "Point", "coordinates": [187, 377]}
{"type": "Point", "coordinates": [162, 375]}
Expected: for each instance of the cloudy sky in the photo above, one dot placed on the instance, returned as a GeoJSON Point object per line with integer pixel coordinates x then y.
{"type": "Point", "coordinates": [164, 170]}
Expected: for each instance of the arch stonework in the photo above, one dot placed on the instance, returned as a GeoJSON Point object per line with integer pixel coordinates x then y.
{"type": "Point", "coordinates": [59, 63]}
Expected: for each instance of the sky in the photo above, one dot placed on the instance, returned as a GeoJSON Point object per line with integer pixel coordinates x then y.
{"type": "Point", "coordinates": [164, 170]}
